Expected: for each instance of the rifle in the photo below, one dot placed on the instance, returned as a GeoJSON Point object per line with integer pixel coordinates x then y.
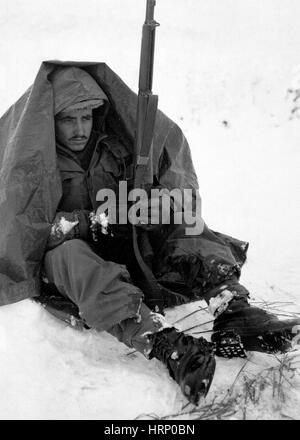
{"type": "Point", "coordinates": [156, 296]}
{"type": "Point", "coordinates": [147, 102]}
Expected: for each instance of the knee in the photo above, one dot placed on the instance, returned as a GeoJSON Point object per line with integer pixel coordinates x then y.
{"type": "Point", "coordinates": [69, 246]}
{"type": "Point", "coordinates": [65, 251]}
{"type": "Point", "coordinates": [75, 245]}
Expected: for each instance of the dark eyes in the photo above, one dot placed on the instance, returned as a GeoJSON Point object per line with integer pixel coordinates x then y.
{"type": "Point", "coordinates": [84, 118]}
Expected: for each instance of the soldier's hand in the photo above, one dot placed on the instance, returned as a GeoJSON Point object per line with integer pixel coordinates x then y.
{"type": "Point", "coordinates": [151, 213]}
{"type": "Point", "coordinates": [68, 225]}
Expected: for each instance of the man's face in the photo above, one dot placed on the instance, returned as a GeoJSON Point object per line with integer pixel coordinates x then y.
{"type": "Point", "coordinates": [73, 128]}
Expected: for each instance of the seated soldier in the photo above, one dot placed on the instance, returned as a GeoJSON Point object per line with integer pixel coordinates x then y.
{"type": "Point", "coordinates": [97, 275]}
{"type": "Point", "coordinates": [97, 271]}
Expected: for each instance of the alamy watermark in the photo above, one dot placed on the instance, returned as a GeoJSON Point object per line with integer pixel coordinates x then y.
{"type": "Point", "coordinates": [159, 206]}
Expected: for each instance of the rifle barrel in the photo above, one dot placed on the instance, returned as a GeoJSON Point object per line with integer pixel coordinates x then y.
{"type": "Point", "coordinates": [150, 10]}
{"type": "Point", "coordinates": [147, 50]}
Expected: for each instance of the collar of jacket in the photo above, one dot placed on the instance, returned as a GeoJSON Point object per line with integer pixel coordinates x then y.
{"type": "Point", "coordinates": [115, 157]}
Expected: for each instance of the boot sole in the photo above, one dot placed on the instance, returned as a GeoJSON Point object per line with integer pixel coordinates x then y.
{"type": "Point", "coordinates": [278, 338]}
{"type": "Point", "coordinates": [228, 345]}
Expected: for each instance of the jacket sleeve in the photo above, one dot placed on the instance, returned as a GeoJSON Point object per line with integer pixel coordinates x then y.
{"type": "Point", "coordinates": [67, 226]}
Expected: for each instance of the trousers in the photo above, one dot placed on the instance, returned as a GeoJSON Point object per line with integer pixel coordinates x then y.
{"type": "Point", "coordinates": [103, 291]}
{"type": "Point", "coordinates": [108, 299]}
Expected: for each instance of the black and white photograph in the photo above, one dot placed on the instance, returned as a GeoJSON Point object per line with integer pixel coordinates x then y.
{"type": "Point", "coordinates": [149, 212]}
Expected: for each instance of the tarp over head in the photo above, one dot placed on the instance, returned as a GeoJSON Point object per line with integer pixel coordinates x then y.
{"type": "Point", "coordinates": [30, 187]}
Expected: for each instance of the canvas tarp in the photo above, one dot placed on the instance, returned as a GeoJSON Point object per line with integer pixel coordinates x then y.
{"type": "Point", "coordinates": [30, 187]}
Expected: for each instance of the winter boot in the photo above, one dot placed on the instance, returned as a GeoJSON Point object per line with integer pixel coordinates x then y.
{"type": "Point", "coordinates": [190, 361]}
{"type": "Point", "coordinates": [244, 327]}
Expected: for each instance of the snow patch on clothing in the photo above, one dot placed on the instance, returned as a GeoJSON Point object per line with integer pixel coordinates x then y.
{"type": "Point", "coordinates": [160, 324]}
{"type": "Point", "coordinates": [174, 356]}
{"type": "Point", "coordinates": [138, 314]}
{"type": "Point", "coordinates": [159, 321]}
{"type": "Point", "coordinates": [219, 304]}
{"type": "Point", "coordinates": [99, 219]}
{"type": "Point", "coordinates": [63, 227]}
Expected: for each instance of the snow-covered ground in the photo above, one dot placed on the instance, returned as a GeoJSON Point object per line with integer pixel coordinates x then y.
{"type": "Point", "coordinates": [222, 72]}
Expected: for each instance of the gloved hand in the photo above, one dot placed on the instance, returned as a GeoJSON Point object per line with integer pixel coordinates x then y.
{"type": "Point", "coordinates": [69, 225]}
{"type": "Point", "coordinates": [99, 225]}
{"type": "Point", "coordinates": [152, 213]}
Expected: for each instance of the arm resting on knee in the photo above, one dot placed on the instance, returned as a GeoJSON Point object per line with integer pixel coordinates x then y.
{"type": "Point", "coordinates": [67, 226]}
